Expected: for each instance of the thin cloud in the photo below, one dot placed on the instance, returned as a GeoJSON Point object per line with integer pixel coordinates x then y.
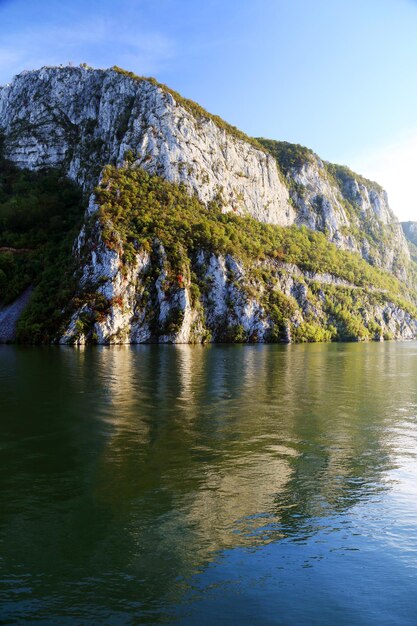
{"type": "Point", "coordinates": [95, 41]}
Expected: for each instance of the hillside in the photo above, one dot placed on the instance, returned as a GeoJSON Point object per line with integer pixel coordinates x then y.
{"type": "Point", "coordinates": [410, 233]}
{"type": "Point", "coordinates": [193, 231]}
{"type": "Point", "coordinates": [352, 211]}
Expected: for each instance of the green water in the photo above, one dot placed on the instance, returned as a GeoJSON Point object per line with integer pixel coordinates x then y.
{"type": "Point", "coordinates": [209, 485]}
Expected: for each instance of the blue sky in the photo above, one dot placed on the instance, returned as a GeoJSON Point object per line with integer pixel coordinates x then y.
{"type": "Point", "coordinates": [337, 76]}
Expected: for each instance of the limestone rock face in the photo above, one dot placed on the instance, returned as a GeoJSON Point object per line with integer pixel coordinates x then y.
{"type": "Point", "coordinates": [82, 119]}
{"type": "Point", "coordinates": [410, 231]}
{"type": "Point", "coordinates": [352, 211]}
{"type": "Point", "coordinates": [148, 304]}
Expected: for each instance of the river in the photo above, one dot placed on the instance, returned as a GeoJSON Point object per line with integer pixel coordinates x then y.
{"type": "Point", "coordinates": [234, 484]}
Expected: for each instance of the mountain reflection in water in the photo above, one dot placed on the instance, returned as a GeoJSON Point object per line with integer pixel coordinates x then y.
{"type": "Point", "coordinates": [132, 478]}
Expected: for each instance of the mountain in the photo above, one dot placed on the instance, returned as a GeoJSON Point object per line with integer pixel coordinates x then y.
{"type": "Point", "coordinates": [410, 233]}
{"type": "Point", "coordinates": [352, 211]}
{"type": "Point", "coordinates": [192, 231]}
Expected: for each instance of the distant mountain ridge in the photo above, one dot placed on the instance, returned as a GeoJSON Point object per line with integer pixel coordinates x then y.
{"type": "Point", "coordinates": [410, 231]}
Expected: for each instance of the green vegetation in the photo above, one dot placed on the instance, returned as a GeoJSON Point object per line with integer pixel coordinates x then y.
{"type": "Point", "coordinates": [371, 234]}
{"type": "Point", "coordinates": [410, 233]}
{"type": "Point", "coordinates": [42, 212]}
{"type": "Point", "coordinates": [40, 215]}
{"type": "Point", "coordinates": [292, 156]}
{"type": "Point", "coordinates": [136, 209]}
{"type": "Point", "coordinates": [411, 237]}
{"type": "Point", "coordinates": [369, 231]}
{"type": "Point", "coordinates": [413, 252]}
{"type": "Point", "coordinates": [289, 156]}
{"type": "Point", "coordinates": [344, 176]}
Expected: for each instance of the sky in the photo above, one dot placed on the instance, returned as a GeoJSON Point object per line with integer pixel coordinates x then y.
{"type": "Point", "coordinates": [334, 75]}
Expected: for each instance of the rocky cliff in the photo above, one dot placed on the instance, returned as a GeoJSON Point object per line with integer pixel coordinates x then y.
{"type": "Point", "coordinates": [352, 211]}
{"type": "Point", "coordinates": [81, 119]}
{"type": "Point", "coordinates": [203, 270]}
{"type": "Point", "coordinates": [410, 231]}
{"type": "Point", "coordinates": [165, 270]}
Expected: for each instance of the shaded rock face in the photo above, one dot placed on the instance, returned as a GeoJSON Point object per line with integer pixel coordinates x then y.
{"type": "Point", "coordinates": [83, 119]}
{"type": "Point", "coordinates": [410, 231]}
{"type": "Point", "coordinates": [145, 303]}
{"type": "Point", "coordinates": [351, 211]}
{"type": "Point", "coordinates": [354, 214]}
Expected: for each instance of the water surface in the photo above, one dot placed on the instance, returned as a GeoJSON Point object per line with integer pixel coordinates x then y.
{"type": "Point", "coordinates": [209, 485]}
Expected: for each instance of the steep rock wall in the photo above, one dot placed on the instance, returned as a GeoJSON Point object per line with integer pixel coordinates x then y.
{"type": "Point", "coordinates": [147, 302]}
{"type": "Point", "coordinates": [410, 231]}
{"type": "Point", "coordinates": [352, 211]}
{"type": "Point", "coordinates": [83, 119]}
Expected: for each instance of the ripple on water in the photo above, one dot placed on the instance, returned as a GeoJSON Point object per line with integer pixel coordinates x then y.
{"type": "Point", "coordinates": [225, 484]}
